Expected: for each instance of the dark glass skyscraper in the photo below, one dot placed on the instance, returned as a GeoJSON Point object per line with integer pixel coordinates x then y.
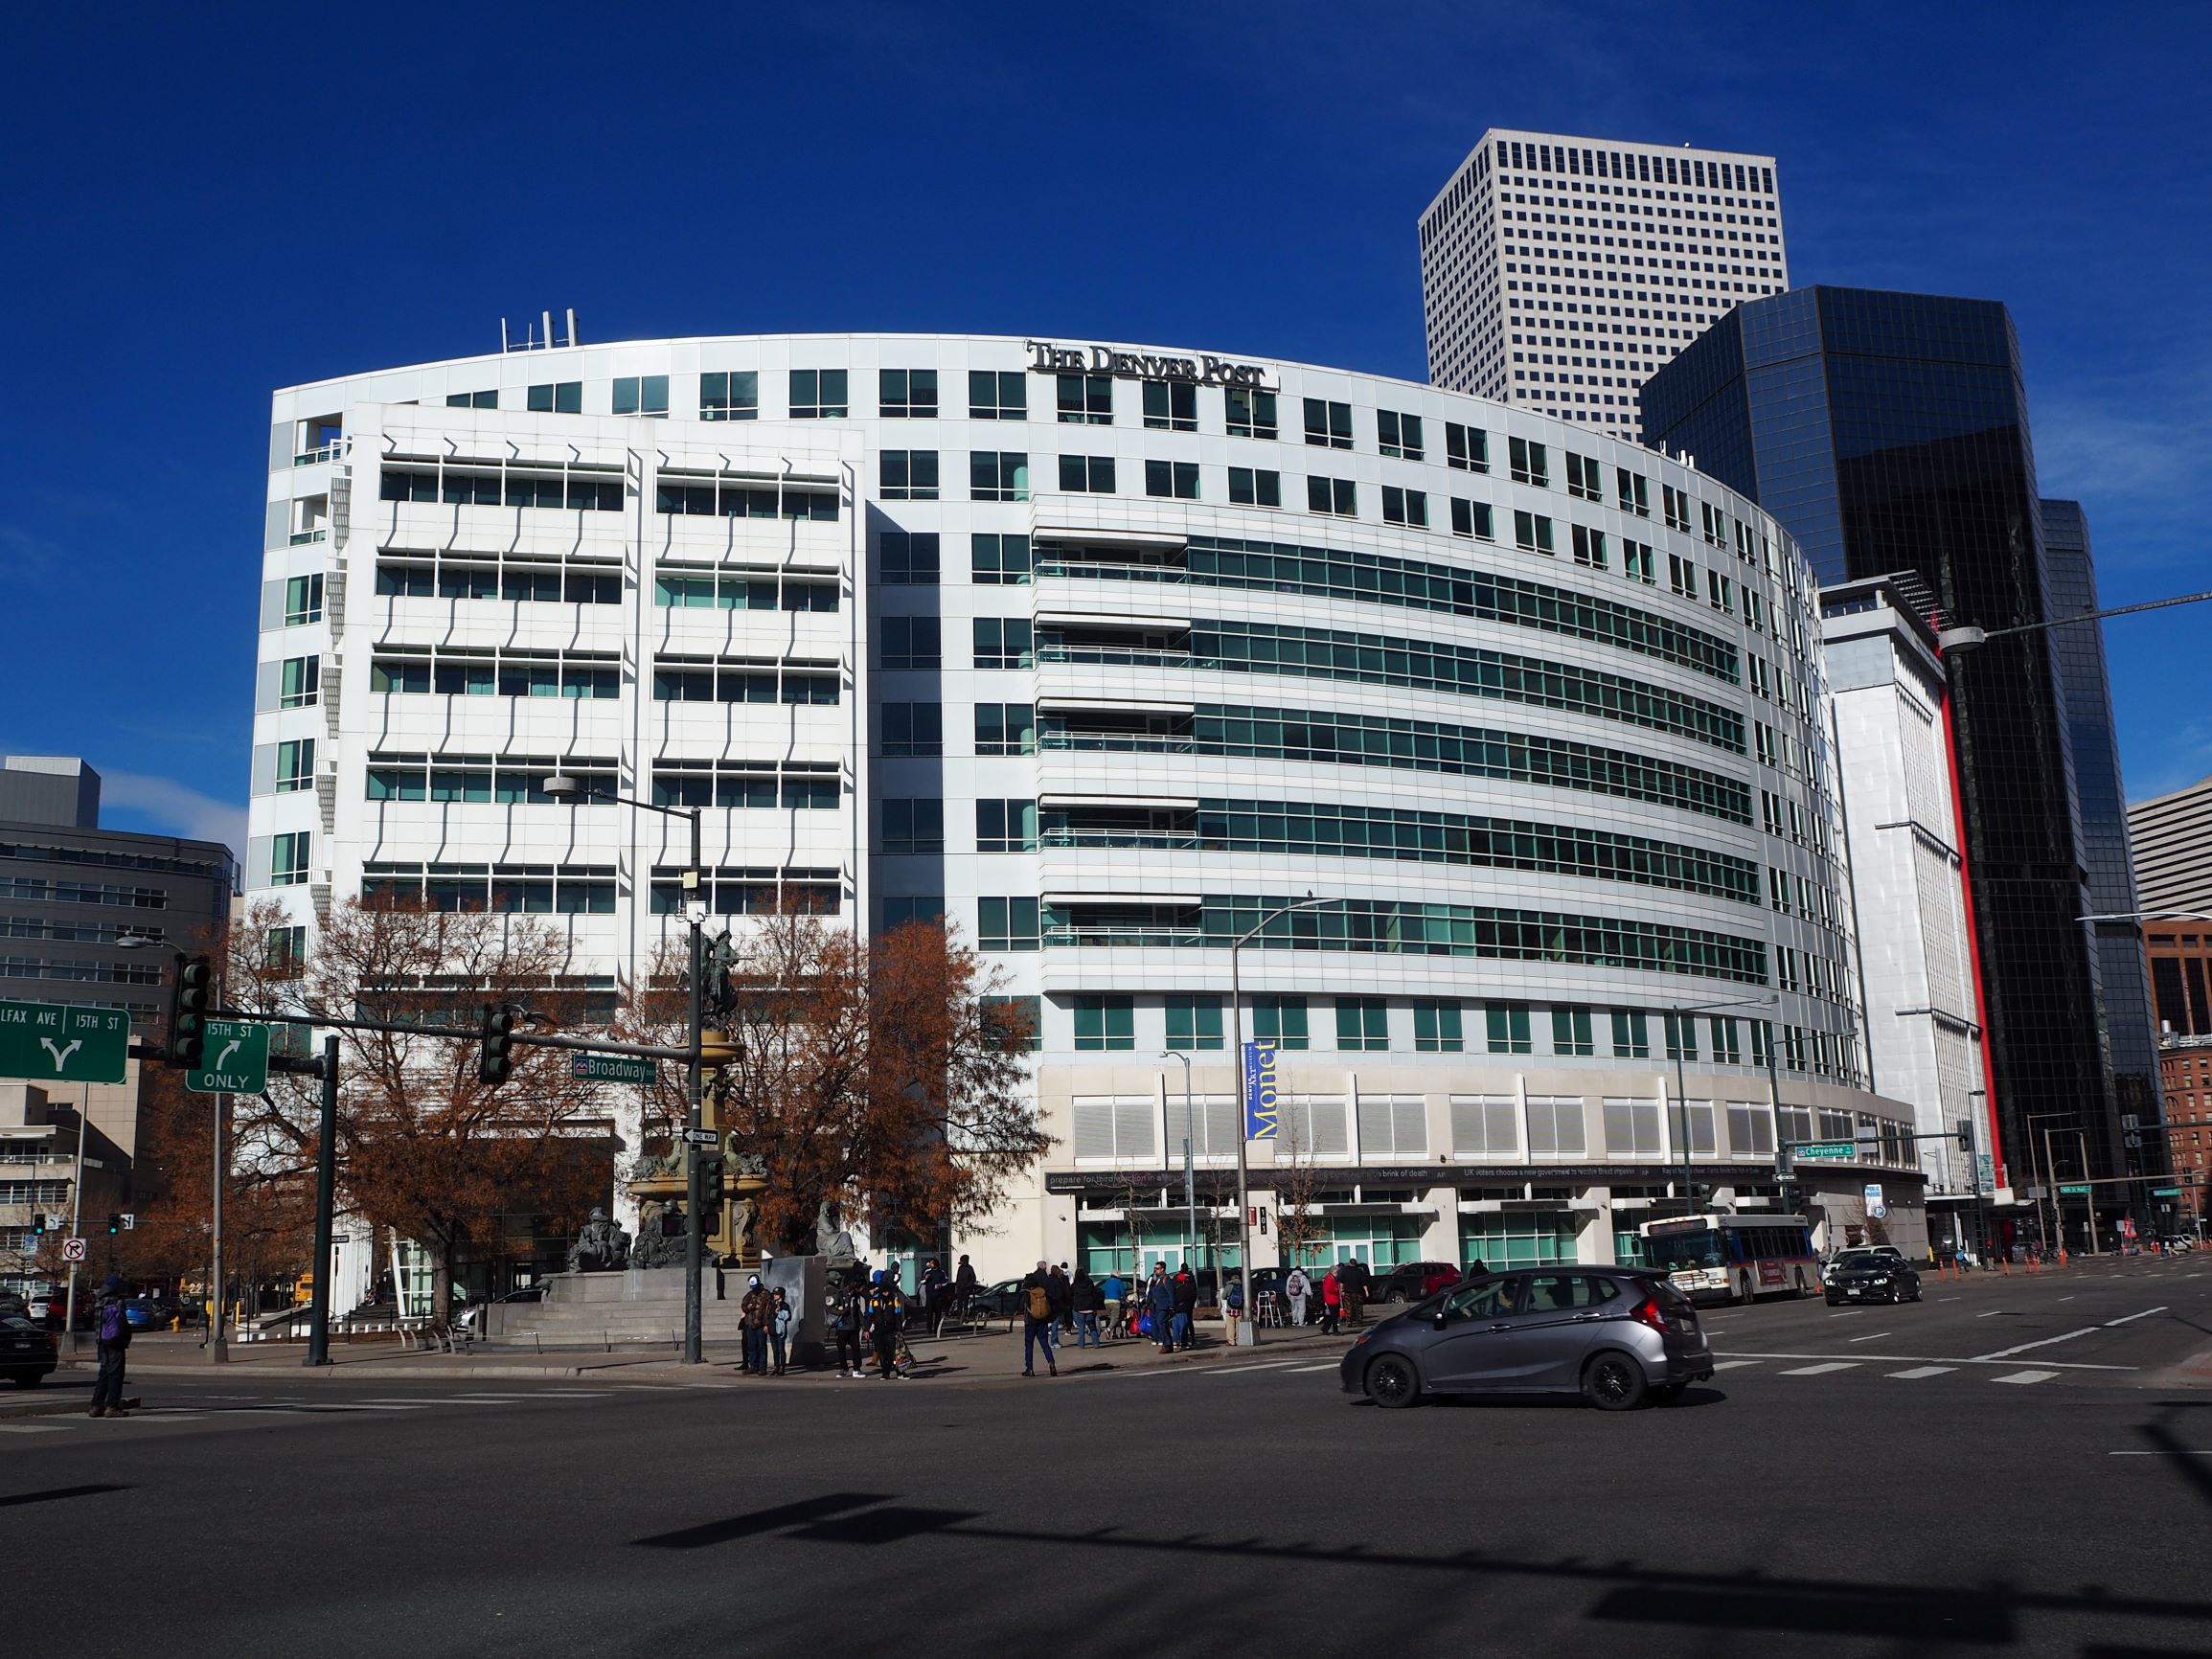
{"type": "Point", "coordinates": [1889, 432]}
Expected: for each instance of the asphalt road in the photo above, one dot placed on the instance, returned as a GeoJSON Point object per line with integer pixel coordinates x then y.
{"type": "Point", "coordinates": [2013, 1466]}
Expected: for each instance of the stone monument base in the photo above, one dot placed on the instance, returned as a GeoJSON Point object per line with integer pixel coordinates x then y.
{"type": "Point", "coordinates": [632, 1305]}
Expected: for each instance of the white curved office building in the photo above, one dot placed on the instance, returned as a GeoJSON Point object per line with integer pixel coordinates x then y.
{"type": "Point", "coordinates": [1101, 651]}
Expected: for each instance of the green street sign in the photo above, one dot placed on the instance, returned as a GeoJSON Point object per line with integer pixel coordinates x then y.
{"type": "Point", "coordinates": [49, 1043]}
{"type": "Point", "coordinates": [614, 1069]}
{"type": "Point", "coordinates": [238, 1060]}
{"type": "Point", "coordinates": [1825, 1150]}
{"type": "Point", "coordinates": [2165, 1191]}
{"type": "Point", "coordinates": [2074, 1192]}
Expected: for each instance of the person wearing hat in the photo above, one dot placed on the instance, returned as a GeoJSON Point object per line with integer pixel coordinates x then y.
{"type": "Point", "coordinates": [753, 1310]}
{"type": "Point", "coordinates": [113, 1327]}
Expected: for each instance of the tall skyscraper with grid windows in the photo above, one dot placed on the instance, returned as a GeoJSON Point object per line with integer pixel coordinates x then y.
{"type": "Point", "coordinates": [1558, 273]}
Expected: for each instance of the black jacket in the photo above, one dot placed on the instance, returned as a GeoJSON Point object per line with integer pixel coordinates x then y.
{"type": "Point", "coordinates": [1089, 1296]}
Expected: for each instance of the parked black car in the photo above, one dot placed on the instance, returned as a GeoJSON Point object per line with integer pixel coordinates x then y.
{"type": "Point", "coordinates": [28, 1355]}
{"type": "Point", "coordinates": [1874, 1279]}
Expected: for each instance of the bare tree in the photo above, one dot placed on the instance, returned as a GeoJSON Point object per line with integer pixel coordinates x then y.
{"type": "Point", "coordinates": [1297, 1197]}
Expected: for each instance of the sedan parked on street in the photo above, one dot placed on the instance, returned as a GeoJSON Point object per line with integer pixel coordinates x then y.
{"type": "Point", "coordinates": [1873, 1279]}
{"type": "Point", "coordinates": [1618, 1336]}
{"type": "Point", "coordinates": [28, 1355]}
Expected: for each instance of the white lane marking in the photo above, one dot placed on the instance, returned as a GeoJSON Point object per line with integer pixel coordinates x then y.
{"type": "Point", "coordinates": [1872, 1336]}
{"type": "Point", "coordinates": [2024, 1377]}
{"type": "Point", "coordinates": [1818, 1370]}
{"type": "Point", "coordinates": [35, 1427]}
{"type": "Point", "coordinates": [1920, 1370]}
{"type": "Point", "coordinates": [1247, 1369]}
{"type": "Point", "coordinates": [1991, 1314]}
{"type": "Point", "coordinates": [1732, 1364]}
{"type": "Point", "coordinates": [2160, 1454]}
{"type": "Point", "coordinates": [1941, 1359]}
{"type": "Point", "coordinates": [1325, 1365]}
{"type": "Point", "coordinates": [2045, 1342]}
{"type": "Point", "coordinates": [2131, 1319]}
{"type": "Point", "coordinates": [2065, 1299]}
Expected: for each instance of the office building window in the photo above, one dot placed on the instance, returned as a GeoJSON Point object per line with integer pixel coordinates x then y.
{"type": "Point", "coordinates": [1638, 563]}
{"type": "Point", "coordinates": [1529, 462]}
{"type": "Point", "coordinates": [1093, 474]}
{"type": "Point", "coordinates": [1178, 480]}
{"type": "Point", "coordinates": [1590, 546]}
{"type": "Point", "coordinates": [997, 394]}
{"type": "Point", "coordinates": [1398, 433]}
{"type": "Point", "coordinates": [730, 395]}
{"type": "Point", "coordinates": [1532, 532]}
{"type": "Point", "coordinates": [1003, 643]}
{"type": "Point", "coordinates": [916, 729]}
{"type": "Point", "coordinates": [1362, 1024]}
{"type": "Point", "coordinates": [1250, 414]}
{"type": "Point", "coordinates": [1633, 493]}
{"type": "Point", "coordinates": [1007, 925]}
{"type": "Point", "coordinates": [1171, 406]}
{"type": "Point", "coordinates": [566, 398]}
{"type": "Point", "coordinates": [1255, 487]}
{"type": "Point", "coordinates": [1005, 729]}
{"type": "Point", "coordinates": [1195, 1023]}
{"type": "Point", "coordinates": [1473, 518]}
{"type": "Point", "coordinates": [1438, 1028]}
{"type": "Point", "coordinates": [472, 400]}
{"type": "Point", "coordinates": [302, 600]}
{"type": "Point", "coordinates": [913, 825]}
{"type": "Point", "coordinates": [1086, 399]}
{"type": "Point", "coordinates": [1006, 825]}
{"type": "Point", "coordinates": [1327, 424]}
{"type": "Point", "coordinates": [999, 560]}
{"type": "Point", "coordinates": [997, 475]}
{"type": "Point", "coordinates": [1586, 478]}
{"type": "Point", "coordinates": [1407, 507]}
{"type": "Point", "coordinates": [1507, 1029]}
{"type": "Point", "coordinates": [818, 394]}
{"type": "Point", "coordinates": [1106, 1022]}
{"type": "Point", "coordinates": [925, 908]}
{"type": "Point", "coordinates": [1571, 1031]}
{"type": "Point", "coordinates": [641, 395]}
{"type": "Point", "coordinates": [1337, 496]}
{"type": "Point", "coordinates": [295, 765]}
{"type": "Point", "coordinates": [1681, 1037]}
{"type": "Point", "coordinates": [298, 682]}
{"type": "Point", "coordinates": [1024, 1014]}
{"type": "Point", "coordinates": [908, 558]}
{"type": "Point", "coordinates": [907, 394]}
{"type": "Point", "coordinates": [910, 642]}
{"type": "Point", "coordinates": [1466, 447]}
{"type": "Point", "coordinates": [288, 856]}
{"type": "Point", "coordinates": [1280, 1021]}
{"type": "Point", "coordinates": [910, 475]}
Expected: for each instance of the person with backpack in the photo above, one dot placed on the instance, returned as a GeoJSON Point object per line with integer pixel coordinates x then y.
{"type": "Point", "coordinates": [113, 1330]}
{"type": "Point", "coordinates": [752, 1328]}
{"type": "Point", "coordinates": [848, 1318]}
{"type": "Point", "coordinates": [1160, 1308]}
{"type": "Point", "coordinates": [883, 1320]}
{"type": "Point", "coordinates": [1297, 1288]}
{"type": "Point", "coordinates": [1114, 1292]}
{"type": "Point", "coordinates": [1232, 1303]}
{"type": "Point", "coordinates": [780, 1329]}
{"type": "Point", "coordinates": [1037, 1321]}
{"type": "Point", "coordinates": [1185, 1327]}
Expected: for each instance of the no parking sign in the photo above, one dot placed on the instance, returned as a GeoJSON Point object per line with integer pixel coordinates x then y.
{"type": "Point", "coordinates": [1876, 1209]}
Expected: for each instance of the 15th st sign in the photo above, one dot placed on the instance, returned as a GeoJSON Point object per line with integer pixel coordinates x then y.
{"type": "Point", "coordinates": [50, 1043]}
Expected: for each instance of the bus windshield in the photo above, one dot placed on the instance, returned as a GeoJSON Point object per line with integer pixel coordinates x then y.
{"type": "Point", "coordinates": [1697, 1248]}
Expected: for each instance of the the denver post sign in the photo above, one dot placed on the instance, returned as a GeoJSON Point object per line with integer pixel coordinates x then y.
{"type": "Point", "coordinates": [1046, 358]}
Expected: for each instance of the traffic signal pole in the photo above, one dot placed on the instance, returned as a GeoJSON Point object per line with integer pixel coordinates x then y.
{"type": "Point", "coordinates": [76, 1220]}
{"type": "Point", "coordinates": [325, 1201]}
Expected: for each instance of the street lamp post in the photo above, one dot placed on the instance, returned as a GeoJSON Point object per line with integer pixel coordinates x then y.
{"type": "Point", "coordinates": [564, 787]}
{"type": "Point", "coordinates": [1981, 1193]}
{"type": "Point", "coordinates": [1190, 1180]}
{"type": "Point", "coordinates": [1248, 1328]}
{"type": "Point", "coordinates": [2049, 1176]}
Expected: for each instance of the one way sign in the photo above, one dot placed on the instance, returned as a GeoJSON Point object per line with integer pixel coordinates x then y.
{"type": "Point", "coordinates": [236, 1060]}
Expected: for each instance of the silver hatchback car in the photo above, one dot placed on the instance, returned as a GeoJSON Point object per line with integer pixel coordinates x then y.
{"type": "Point", "coordinates": [1619, 1336]}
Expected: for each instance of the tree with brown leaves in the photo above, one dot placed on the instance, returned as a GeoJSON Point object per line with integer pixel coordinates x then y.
{"type": "Point", "coordinates": [877, 1076]}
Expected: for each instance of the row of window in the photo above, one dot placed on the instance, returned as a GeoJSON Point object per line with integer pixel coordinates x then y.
{"type": "Point", "coordinates": [508, 779]}
{"type": "Point", "coordinates": [522, 888]}
{"type": "Point", "coordinates": [91, 972]}
{"type": "Point", "coordinates": [37, 889]}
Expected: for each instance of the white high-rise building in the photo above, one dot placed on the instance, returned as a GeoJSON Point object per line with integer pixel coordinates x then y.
{"type": "Point", "coordinates": [1558, 273]}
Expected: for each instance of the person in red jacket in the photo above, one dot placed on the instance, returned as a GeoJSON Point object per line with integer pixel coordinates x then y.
{"type": "Point", "coordinates": [1332, 1301]}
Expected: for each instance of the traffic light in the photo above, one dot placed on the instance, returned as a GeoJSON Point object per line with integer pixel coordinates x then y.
{"type": "Point", "coordinates": [188, 1001]}
{"type": "Point", "coordinates": [498, 1059]}
{"type": "Point", "coordinates": [114, 1222]}
{"type": "Point", "coordinates": [1966, 1134]}
{"type": "Point", "coordinates": [37, 1226]}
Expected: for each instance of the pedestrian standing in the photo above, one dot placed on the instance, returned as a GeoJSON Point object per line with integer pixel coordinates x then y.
{"type": "Point", "coordinates": [780, 1329]}
{"type": "Point", "coordinates": [1186, 1321]}
{"type": "Point", "coordinates": [1037, 1320]}
{"type": "Point", "coordinates": [848, 1317]}
{"type": "Point", "coordinates": [883, 1320]}
{"type": "Point", "coordinates": [112, 1328]}
{"type": "Point", "coordinates": [1160, 1308]}
{"type": "Point", "coordinates": [1233, 1307]}
{"type": "Point", "coordinates": [936, 1294]}
{"type": "Point", "coordinates": [1089, 1303]}
{"type": "Point", "coordinates": [1297, 1288]}
{"type": "Point", "coordinates": [1062, 1303]}
{"type": "Point", "coordinates": [1114, 1292]}
{"type": "Point", "coordinates": [1332, 1301]}
{"type": "Point", "coordinates": [965, 1286]}
{"type": "Point", "coordinates": [752, 1328]}
{"type": "Point", "coordinates": [1354, 1281]}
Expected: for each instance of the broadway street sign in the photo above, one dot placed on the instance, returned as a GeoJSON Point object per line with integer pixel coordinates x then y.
{"type": "Point", "coordinates": [614, 1069]}
{"type": "Point", "coordinates": [49, 1043]}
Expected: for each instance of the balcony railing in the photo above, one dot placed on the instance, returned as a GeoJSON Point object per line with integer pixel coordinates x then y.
{"type": "Point", "coordinates": [1130, 744]}
{"type": "Point", "coordinates": [1125, 656]}
{"type": "Point", "coordinates": [330, 451]}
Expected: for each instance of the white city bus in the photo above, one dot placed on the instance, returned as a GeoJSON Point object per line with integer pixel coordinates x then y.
{"type": "Point", "coordinates": [1734, 1258]}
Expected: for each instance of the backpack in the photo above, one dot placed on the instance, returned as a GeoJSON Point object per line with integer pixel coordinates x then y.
{"type": "Point", "coordinates": [1039, 1302]}
{"type": "Point", "coordinates": [113, 1325]}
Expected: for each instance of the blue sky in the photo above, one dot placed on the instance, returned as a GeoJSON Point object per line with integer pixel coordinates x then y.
{"type": "Point", "coordinates": [207, 202]}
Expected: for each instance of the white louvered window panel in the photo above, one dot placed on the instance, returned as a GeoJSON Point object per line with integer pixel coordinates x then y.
{"type": "Point", "coordinates": [1486, 1125]}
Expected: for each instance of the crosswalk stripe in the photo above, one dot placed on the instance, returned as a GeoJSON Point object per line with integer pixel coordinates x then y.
{"type": "Point", "coordinates": [1818, 1370]}
{"type": "Point", "coordinates": [1247, 1369]}
{"type": "Point", "coordinates": [1920, 1370]}
{"type": "Point", "coordinates": [1732, 1364]}
{"type": "Point", "coordinates": [1325, 1365]}
{"type": "Point", "coordinates": [2024, 1377]}
{"type": "Point", "coordinates": [34, 1427]}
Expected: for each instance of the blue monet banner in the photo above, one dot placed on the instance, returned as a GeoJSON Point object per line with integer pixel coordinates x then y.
{"type": "Point", "coordinates": [1262, 1110]}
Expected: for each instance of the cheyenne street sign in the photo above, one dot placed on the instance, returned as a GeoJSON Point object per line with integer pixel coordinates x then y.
{"type": "Point", "coordinates": [50, 1043]}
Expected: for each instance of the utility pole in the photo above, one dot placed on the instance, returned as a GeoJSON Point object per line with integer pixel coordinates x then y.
{"type": "Point", "coordinates": [76, 1220]}
{"type": "Point", "coordinates": [326, 1199]}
